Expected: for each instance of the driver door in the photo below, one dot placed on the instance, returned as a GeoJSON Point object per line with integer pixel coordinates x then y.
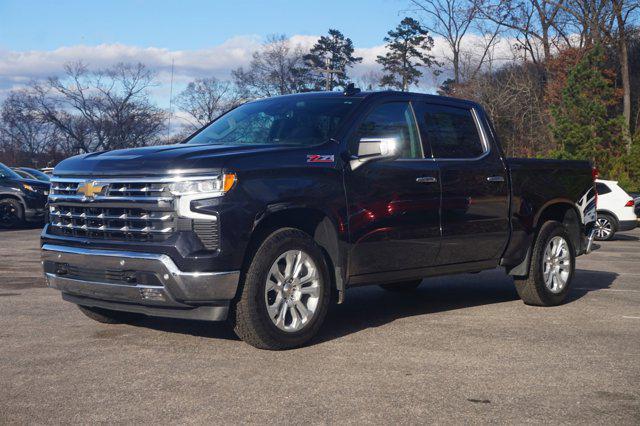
{"type": "Point", "coordinates": [394, 205]}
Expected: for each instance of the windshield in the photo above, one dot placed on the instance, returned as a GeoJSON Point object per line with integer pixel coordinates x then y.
{"type": "Point", "coordinates": [278, 121]}
{"type": "Point", "coordinates": [7, 173]}
{"type": "Point", "coordinates": [37, 174]}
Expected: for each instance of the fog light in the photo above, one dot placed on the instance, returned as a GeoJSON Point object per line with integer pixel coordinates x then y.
{"type": "Point", "coordinates": [152, 294]}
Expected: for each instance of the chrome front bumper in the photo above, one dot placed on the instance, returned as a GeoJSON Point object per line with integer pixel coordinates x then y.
{"type": "Point", "coordinates": [145, 283]}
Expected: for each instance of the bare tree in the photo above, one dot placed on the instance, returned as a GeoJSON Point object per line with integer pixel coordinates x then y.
{"type": "Point", "coordinates": [450, 19]}
{"type": "Point", "coordinates": [26, 136]}
{"type": "Point", "coordinates": [204, 99]}
{"type": "Point", "coordinates": [277, 68]}
{"type": "Point", "coordinates": [514, 98]}
{"type": "Point", "coordinates": [592, 19]}
{"type": "Point", "coordinates": [622, 11]}
{"type": "Point", "coordinates": [535, 23]}
{"type": "Point", "coordinates": [104, 109]}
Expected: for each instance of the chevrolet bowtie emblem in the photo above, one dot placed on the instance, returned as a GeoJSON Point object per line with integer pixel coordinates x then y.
{"type": "Point", "coordinates": [90, 189]}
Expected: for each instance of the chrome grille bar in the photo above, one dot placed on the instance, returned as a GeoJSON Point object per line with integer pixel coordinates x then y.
{"type": "Point", "coordinates": [54, 198]}
{"type": "Point", "coordinates": [101, 216]}
{"type": "Point", "coordinates": [104, 228]}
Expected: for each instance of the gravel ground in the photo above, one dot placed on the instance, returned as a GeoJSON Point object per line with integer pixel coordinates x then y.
{"type": "Point", "coordinates": [461, 349]}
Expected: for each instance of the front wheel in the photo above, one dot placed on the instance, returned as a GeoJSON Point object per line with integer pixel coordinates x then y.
{"type": "Point", "coordinates": [285, 292]}
{"type": "Point", "coordinates": [11, 213]}
{"type": "Point", "coordinates": [552, 267]}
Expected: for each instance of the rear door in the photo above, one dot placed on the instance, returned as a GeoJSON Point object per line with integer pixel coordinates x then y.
{"type": "Point", "coordinates": [394, 218]}
{"type": "Point", "coordinates": [475, 191]}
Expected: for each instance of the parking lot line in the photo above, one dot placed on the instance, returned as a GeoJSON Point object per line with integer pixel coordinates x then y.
{"type": "Point", "coordinates": [605, 289]}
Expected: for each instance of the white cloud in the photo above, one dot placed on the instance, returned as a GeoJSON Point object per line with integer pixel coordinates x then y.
{"type": "Point", "coordinates": [18, 68]}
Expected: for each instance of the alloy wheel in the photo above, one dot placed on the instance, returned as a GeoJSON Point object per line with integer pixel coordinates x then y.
{"type": "Point", "coordinates": [556, 264]}
{"type": "Point", "coordinates": [292, 290]}
{"type": "Point", "coordinates": [604, 228]}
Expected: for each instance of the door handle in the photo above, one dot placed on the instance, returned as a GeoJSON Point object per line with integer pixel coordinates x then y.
{"type": "Point", "coordinates": [426, 179]}
{"type": "Point", "coordinates": [495, 179]}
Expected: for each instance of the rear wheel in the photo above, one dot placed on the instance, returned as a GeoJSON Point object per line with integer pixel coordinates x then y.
{"type": "Point", "coordinates": [285, 292]}
{"type": "Point", "coordinates": [107, 316]}
{"type": "Point", "coordinates": [605, 227]}
{"type": "Point", "coordinates": [552, 267]}
{"type": "Point", "coordinates": [11, 213]}
{"type": "Point", "coordinates": [402, 287]}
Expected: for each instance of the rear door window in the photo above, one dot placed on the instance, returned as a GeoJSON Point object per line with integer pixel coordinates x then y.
{"type": "Point", "coordinates": [451, 132]}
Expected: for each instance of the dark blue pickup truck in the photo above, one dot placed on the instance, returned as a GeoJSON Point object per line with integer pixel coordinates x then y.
{"type": "Point", "coordinates": [269, 214]}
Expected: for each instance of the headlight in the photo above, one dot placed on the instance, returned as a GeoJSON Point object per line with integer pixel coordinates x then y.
{"type": "Point", "coordinates": [213, 186]}
{"type": "Point", "coordinates": [191, 189]}
{"type": "Point", "coordinates": [35, 189]}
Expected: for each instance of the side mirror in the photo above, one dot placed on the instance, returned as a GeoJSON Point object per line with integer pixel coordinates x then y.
{"type": "Point", "coordinates": [374, 149]}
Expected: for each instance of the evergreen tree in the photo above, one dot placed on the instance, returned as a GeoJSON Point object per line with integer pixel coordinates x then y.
{"type": "Point", "coordinates": [408, 49]}
{"type": "Point", "coordinates": [583, 127]}
{"type": "Point", "coordinates": [329, 59]}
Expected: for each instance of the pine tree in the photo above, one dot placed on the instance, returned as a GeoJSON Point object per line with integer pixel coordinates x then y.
{"type": "Point", "coordinates": [583, 126]}
{"type": "Point", "coordinates": [329, 58]}
{"type": "Point", "coordinates": [408, 48]}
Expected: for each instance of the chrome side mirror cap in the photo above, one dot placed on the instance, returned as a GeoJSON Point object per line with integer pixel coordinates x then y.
{"type": "Point", "coordinates": [374, 149]}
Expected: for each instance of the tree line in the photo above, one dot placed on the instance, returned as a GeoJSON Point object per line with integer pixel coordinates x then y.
{"type": "Point", "coordinates": [559, 78]}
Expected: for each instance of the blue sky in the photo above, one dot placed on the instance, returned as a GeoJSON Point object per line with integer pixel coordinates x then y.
{"type": "Point", "coordinates": [177, 25]}
{"type": "Point", "coordinates": [201, 38]}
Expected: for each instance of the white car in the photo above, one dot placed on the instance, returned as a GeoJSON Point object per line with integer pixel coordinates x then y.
{"type": "Point", "coordinates": [615, 210]}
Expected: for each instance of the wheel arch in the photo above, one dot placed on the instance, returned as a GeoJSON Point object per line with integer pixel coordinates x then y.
{"type": "Point", "coordinates": [12, 196]}
{"type": "Point", "coordinates": [563, 211]}
{"type": "Point", "coordinates": [608, 212]}
{"type": "Point", "coordinates": [314, 222]}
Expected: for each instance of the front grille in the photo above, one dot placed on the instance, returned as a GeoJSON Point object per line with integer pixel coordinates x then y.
{"type": "Point", "coordinates": [112, 209]}
{"type": "Point", "coordinates": [112, 223]}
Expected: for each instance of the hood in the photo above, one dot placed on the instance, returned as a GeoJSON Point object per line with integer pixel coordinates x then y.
{"type": "Point", "coordinates": [158, 160]}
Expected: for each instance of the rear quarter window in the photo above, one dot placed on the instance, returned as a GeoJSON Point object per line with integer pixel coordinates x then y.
{"type": "Point", "coordinates": [602, 188]}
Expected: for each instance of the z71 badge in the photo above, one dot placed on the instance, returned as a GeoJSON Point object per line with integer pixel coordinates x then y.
{"type": "Point", "coordinates": [319, 158]}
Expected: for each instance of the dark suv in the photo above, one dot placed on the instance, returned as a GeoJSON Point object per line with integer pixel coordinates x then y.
{"type": "Point", "coordinates": [21, 200]}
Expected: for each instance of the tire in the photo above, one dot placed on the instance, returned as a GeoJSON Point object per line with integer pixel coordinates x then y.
{"type": "Point", "coordinates": [250, 316]}
{"type": "Point", "coordinates": [11, 213]}
{"type": "Point", "coordinates": [535, 290]}
{"type": "Point", "coordinates": [606, 227]}
{"type": "Point", "coordinates": [402, 287]}
{"type": "Point", "coordinates": [106, 316]}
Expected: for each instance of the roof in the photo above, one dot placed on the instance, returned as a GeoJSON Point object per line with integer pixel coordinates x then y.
{"type": "Point", "coordinates": [369, 94]}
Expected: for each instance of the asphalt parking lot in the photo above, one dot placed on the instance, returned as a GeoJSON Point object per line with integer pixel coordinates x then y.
{"type": "Point", "coordinates": [460, 349]}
